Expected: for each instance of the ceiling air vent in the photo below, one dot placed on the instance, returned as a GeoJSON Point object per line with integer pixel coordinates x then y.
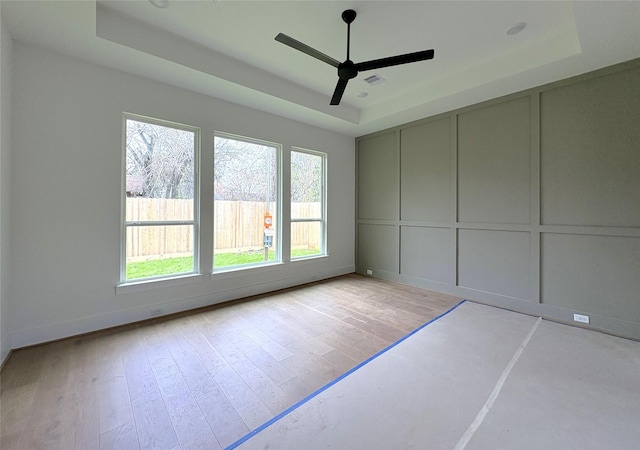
{"type": "Point", "coordinates": [374, 79]}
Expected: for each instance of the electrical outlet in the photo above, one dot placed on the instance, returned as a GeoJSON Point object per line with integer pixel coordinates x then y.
{"type": "Point", "coordinates": [369, 272]}
{"type": "Point", "coordinates": [580, 318]}
{"type": "Point", "coordinates": [156, 312]}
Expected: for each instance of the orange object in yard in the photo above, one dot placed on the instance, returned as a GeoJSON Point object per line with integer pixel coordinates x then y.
{"type": "Point", "coordinates": [268, 221]}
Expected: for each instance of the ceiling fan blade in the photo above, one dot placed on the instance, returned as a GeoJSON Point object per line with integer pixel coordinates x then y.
{"type": "Point", "coordinates": [395, 60]}
{"type": "Point", "coordinates": [337, 94]}
{"type": "Point", "coordinates": [304, 48]}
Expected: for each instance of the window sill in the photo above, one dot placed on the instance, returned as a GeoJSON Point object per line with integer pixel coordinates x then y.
{"type": "Point", "coordinates": [146, 285]}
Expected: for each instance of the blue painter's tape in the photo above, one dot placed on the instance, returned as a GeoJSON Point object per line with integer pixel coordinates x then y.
{"type": "Point", "coordinates": [331, 383]}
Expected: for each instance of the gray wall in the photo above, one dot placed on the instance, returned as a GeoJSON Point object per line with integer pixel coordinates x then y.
{"type": "Point", "coordinates": [6, 50]}
{"type": "Point", "coordinates": [529, 202]}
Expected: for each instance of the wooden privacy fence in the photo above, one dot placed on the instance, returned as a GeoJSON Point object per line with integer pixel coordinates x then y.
{"type": "Point", "coordinates": [238, 226]}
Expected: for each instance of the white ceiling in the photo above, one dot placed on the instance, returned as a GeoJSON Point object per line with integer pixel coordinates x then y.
{"type": "Point", "coordinates": [226, 49]}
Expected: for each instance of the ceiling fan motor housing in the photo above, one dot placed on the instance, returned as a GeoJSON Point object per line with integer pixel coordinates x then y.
{"type": "Point", "coordinates": [347, 70]}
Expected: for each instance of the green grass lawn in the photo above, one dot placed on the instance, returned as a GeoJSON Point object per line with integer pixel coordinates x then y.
{"type": "Point", "coordinates": [157, 267]}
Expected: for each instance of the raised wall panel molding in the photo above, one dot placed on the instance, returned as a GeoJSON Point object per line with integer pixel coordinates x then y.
{"type": "Point", "coordinates": [544, 213]}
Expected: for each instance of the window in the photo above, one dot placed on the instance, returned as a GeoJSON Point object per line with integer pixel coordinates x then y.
{"type": "Point", "coordinates": [160, 217]}
{"type": "Point", "coordinates": [246, 208]}
{"type": "Point", "coordinates": [308, 209]}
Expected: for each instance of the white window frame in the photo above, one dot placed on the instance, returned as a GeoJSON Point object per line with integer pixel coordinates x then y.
{"type": "Point", "coordinates": [323, 198]}
{"type": "Point", "coordinates": [277, 214]}
{"type": "Point", "coordinates": [196, 205]}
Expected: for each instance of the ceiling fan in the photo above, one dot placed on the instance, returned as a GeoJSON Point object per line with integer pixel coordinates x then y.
{"type": "Point", "coordinates": [348, 69]}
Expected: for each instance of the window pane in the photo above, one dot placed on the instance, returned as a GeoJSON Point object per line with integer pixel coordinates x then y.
{"type": "Point", "coordinates": [245, 202]}
{"type": "Point", "coordinates": [159, 250]}
{"type": "Point", "coordinates": [306, 185]}
{"type": "Point", "coordinates": [306, 239]}
{"type": "Point", "coordinates": [307, 197]}
{"type": "Point", "coordinates": [159, 169]}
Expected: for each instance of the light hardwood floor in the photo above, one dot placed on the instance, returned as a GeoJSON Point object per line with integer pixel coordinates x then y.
{"type": "Point", "coordinates": [205, 378]}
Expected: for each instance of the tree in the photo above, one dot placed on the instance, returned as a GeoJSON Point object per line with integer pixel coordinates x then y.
{"type": "Point", "coordinates": [244, 171]}
{"type": "Point", "coordinates": [306, 177]}
{"type": "Point", "coordinates": [162, 157]}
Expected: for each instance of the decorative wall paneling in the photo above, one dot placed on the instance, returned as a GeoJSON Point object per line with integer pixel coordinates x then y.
{"type": "Point", "coordinates": [529, 202]}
